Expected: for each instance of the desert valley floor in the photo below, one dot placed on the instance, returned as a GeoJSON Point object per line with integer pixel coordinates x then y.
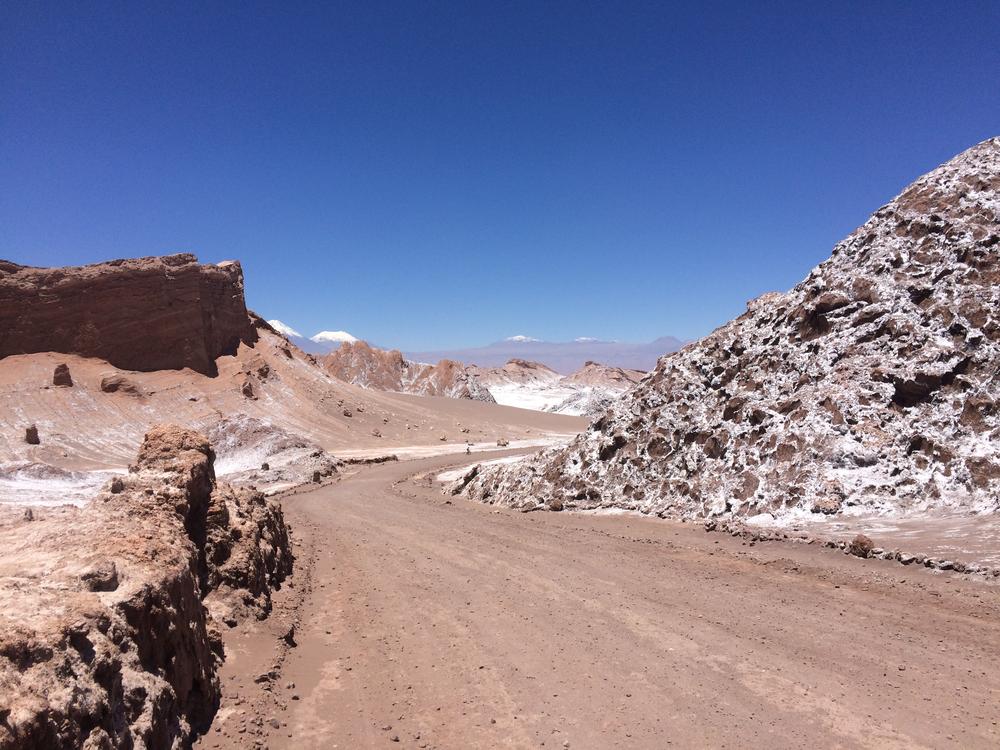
{"type": "Point", "coordinates": [436, 622]}
{"type": "Point", "coordinates": [784, 535]}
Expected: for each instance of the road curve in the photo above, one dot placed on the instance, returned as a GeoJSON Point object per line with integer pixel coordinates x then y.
{"type": "Point", "coordinates": [428, 624]}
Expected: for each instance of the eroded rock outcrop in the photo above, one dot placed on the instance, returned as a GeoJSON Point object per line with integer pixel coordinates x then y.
{"type": "Point", "coordinates": [253, 451]}
{"type": "Point", "coordinates": [874, 382]}
{"type": "Point", "coordinates": [61, 376]}
{"type": "Point", "coordinates": [138, 314]}
{"type": "Point", "coordinates": [105, 637]}
{"type": "Point", "coordinates": [360, 363]}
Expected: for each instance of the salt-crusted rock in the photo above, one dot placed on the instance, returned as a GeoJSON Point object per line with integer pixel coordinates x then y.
{"type": "Point", "coordinates": [526, 384]}
{"type": "Point", "coordinates": [877, 374]}
{"type": "Point", "coordinates": [139, 314]}
{"type": "Point", "coordinates": [111, 644]}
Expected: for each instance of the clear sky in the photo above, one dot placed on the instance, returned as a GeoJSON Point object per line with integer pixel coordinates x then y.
{"type": "Point", "coordinates": [430, 175]}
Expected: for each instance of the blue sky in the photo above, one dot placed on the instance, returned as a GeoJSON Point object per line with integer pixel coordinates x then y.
{"type": "Point", "coordinates": [431, 175]}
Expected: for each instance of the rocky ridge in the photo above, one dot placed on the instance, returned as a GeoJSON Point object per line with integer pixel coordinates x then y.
{"type": "Point", "coordinates": [109, 633]}
{"type": "Point", "coordinates": [873, 384]}
{"type": "Point", "coordinates": [359, 363]}
{"type": "Point", "coordinates": [521, 383]}
{"type": "Point", "coordinates": [141, 314]}
{"type": "Point", "coordinates": [533, 385]}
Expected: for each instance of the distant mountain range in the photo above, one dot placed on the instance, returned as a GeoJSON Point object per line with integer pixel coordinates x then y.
{"type": "Point", "coordinates": [562, 356]}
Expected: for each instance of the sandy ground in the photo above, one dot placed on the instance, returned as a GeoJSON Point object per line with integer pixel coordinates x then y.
{"type": "Point", "coordinates": [86, 432]}
{"type": "Point", "coordinates": [420, 622]}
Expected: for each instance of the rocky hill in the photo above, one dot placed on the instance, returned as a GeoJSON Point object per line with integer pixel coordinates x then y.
{"type": "Point", "coordinates": [359, 363]}
{"type": "Point", "coordinates": [111, 614]}
{"type": "Point", "coordinates": [520, 383]}
{"type": "Point", "coordinates": [139, 314]}
{"type": "Point", "coordinates": [597, 375]}
{"type": "Point", "coordinates": [873, 383]}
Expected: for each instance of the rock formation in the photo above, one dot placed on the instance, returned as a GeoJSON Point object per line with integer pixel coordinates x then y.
{"type": "Point", "coordinates": [61, 376]}
{"type": "Point", "coordinates": [116, 383]}
{"type": "Point", "coordinates": [138, 314]}
{"type": "Point", "coordinates": [359, 363]}
{"type": "Point", "coordinates": [874, 382]}
{"type": "Point", "coordinates": [596, 375]}
{"type": "Point", "coordinates": [108, 629]}
{"type": "Point", "coordinates": [532, 385]}
{"type": "Point", "coordinates": [251, 451]}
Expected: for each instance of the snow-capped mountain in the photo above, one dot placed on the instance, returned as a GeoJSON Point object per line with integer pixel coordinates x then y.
{"type": "Point", "coordinates": [284, 330]}
{"type": "Point", "coordinates": [323, 342]}
{"type": "Point", "coordinates": [332, 337]}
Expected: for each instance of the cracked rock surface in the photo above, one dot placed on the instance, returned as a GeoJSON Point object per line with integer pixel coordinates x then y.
{"type": "Point", "coordinates": [110, 614]}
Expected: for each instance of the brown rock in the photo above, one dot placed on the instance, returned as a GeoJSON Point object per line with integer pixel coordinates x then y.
{"type": "Point", "coordinates": [827, 506]}
{"type": "Point", "coordinates": [61, 376]}
{"type": "Point", "coordinates": [103, 576]}
{"type": "Point", "coordinates": [360, 363]}
{"type": "Point", "coordinates": [120, 384]}
{"type": "Point", "coordinates": [31, 435]}
{"type": "Point", "coordinates": [861, 546]}
{"type": "Point", "coordinates": [249, 389]}
{"type": "Point", "coordinates": [139, 314]}
{"type": "Point", "coordinates": [181, 552]}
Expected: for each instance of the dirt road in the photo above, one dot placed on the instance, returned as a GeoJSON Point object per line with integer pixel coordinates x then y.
{"type": "Point", "coordinates": [427, 624]}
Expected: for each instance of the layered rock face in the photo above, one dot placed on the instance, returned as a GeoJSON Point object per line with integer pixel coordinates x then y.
{"type": "Point", "coordinates": [874, 383]}
{"type": "Point", "coordinates": [105, 636]}
{"type": "Point", "coordinates": [139, 314]}
{"type": "Point", "coordinates": [387, 370]}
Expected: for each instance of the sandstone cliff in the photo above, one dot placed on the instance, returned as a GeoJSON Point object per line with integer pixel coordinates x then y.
{"type": "Point", "coordinates": [139, 314]}
{"type": "Point", "coordinates": [872, 383]}
{"type": "Point", "coordinates": [105, 637]}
